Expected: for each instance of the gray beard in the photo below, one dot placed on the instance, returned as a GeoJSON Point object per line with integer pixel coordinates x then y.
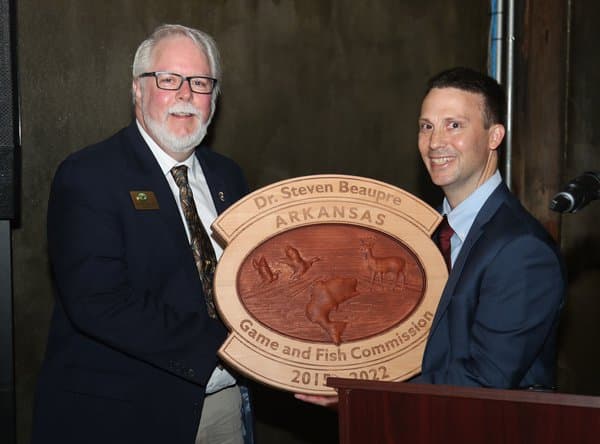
{"type": "Point", "coordinates": [172, 142]}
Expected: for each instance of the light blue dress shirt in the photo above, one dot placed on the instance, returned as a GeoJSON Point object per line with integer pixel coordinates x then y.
{"type": "Point", "coordinates": [462, 217]}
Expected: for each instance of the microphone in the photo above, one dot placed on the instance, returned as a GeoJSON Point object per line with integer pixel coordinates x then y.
{"type": "Point", "coordinates": [577, 193]}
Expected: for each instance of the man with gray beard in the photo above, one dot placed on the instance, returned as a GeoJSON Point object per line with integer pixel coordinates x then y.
{"type": "Point", "coordinates": [131, 354]}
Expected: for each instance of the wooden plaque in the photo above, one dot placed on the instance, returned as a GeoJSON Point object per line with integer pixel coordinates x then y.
{"type": "Point", "coordinates": [327, 275]}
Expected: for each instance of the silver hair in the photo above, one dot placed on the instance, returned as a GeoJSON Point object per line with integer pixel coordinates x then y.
{"type": "Point", "coordinates": [143, 56]}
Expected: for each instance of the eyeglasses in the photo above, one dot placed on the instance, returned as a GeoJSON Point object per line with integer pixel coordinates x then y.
{"type": "Point", "coordinates": [172, 82]}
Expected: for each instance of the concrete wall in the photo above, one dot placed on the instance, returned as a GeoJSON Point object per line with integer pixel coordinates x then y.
{"type": "Point", "coordinates": [310, 86]}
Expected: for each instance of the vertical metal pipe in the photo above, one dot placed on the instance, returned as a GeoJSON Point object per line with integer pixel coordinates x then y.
{"type": "Point", "coordinates": [509, 86]}
{"type": "Point", "coordinates": [498, 18]}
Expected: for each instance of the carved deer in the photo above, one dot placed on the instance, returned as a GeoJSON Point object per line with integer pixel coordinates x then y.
{"type": "Point", "coordinates": [380, 266]}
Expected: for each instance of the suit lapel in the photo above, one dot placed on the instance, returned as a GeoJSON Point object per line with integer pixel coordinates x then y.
{"type": "Point", "coordinates": [489, 208]}
{"type": "Point", "coordinates": [216, 184]}
{"type": "Point", "coordinates": [157, 182]}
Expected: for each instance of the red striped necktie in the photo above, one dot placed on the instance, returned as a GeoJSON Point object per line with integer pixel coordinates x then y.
{"type": "Point", "coordinates": [445, 233]}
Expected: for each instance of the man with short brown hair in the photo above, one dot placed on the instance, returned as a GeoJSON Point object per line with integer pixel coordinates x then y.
{"type": "Point", "coordinates": [497, 320]}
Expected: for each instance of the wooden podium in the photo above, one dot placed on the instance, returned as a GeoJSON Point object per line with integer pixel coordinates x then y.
{"type": "Point", "coordinates": [388, 412]}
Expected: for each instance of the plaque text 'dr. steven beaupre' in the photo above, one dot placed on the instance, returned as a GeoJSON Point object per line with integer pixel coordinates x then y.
{"type": "Point", "coordinates": [327, 275]}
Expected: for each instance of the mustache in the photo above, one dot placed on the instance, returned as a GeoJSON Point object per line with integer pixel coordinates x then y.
{"type": "Point", "coordinates": [186, 108]}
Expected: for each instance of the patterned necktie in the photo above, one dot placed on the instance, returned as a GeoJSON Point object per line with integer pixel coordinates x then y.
{"type": "Point", "coordinates": [445, 233]}
{"type": "Point", "coordinates": [203, 251]}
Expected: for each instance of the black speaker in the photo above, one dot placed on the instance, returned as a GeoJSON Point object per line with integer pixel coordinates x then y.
{"type": "Point", "coordinates": [8, 114]}
{"type": "Point", "coordinates": [8, 213]}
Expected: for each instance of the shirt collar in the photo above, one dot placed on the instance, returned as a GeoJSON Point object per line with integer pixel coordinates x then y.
{"type": "Point", "coordinates": [462, 217]}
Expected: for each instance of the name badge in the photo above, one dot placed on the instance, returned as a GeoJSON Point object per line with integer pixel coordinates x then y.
{"type": "Point", "coordinates": [144, 200]}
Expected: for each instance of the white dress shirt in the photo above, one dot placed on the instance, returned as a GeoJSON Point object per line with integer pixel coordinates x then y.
{"type": "Point", "coordinates": [207, 212]}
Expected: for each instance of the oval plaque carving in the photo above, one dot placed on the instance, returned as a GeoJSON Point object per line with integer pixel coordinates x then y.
{"type": "Point", "coordinates": [327, 275]}
{"type": "Point", "coordinates": [317, 282]}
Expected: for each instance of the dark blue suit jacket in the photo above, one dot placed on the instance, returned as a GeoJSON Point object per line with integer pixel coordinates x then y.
{"type": "Point", "coordinates": [131, 346]}
{"type": "Point", "coordinates": [497, 320]}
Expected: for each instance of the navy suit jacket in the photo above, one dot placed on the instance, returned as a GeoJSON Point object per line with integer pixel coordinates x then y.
{"type": "Point", "coordinates": [131, 346]}
{"type": "Point", "coordinates": [496, 323]}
